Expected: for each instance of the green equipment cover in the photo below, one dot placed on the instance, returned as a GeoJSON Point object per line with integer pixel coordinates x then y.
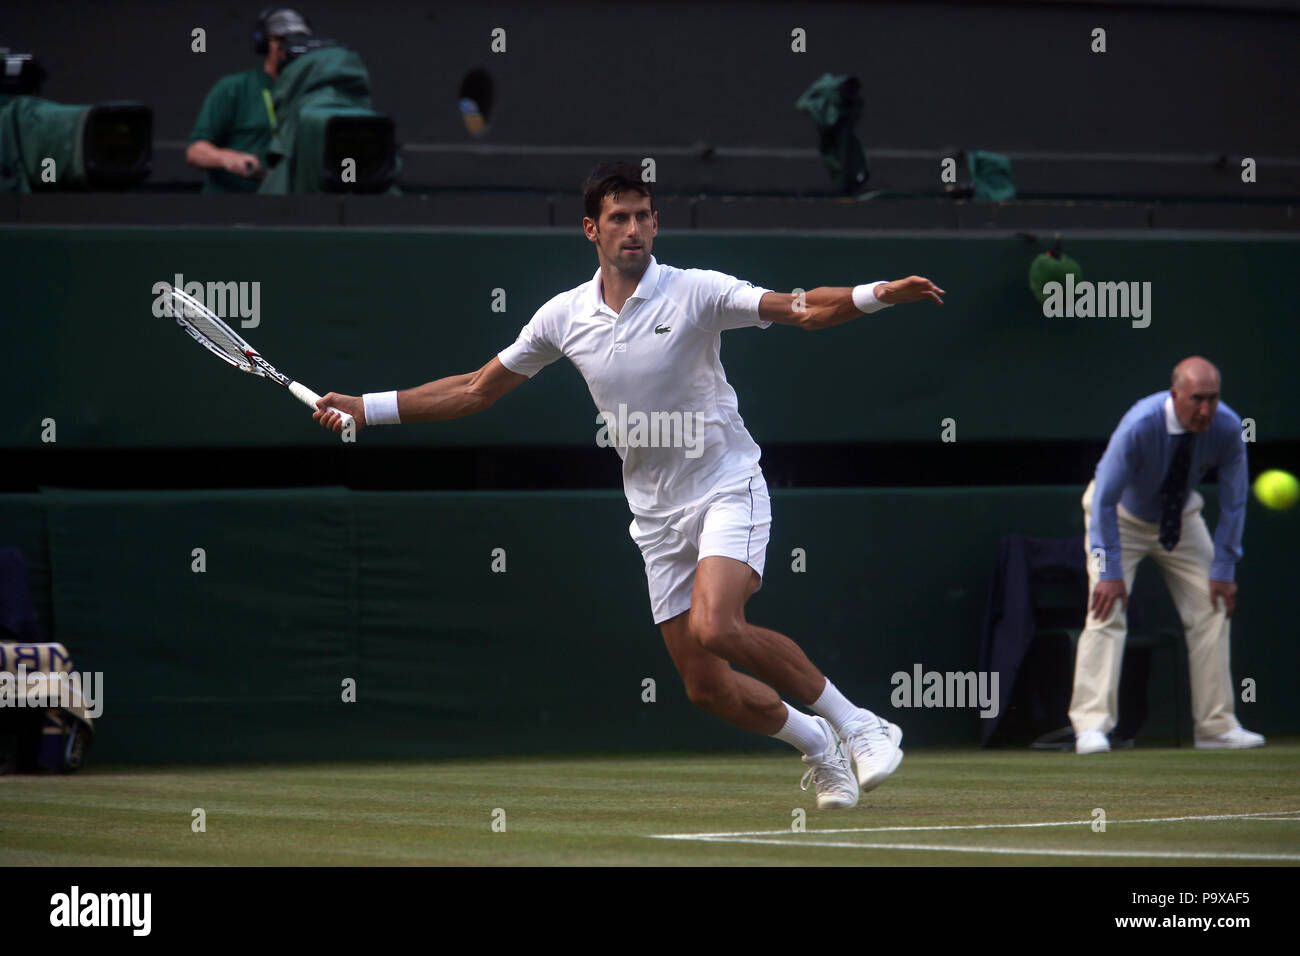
{"type": "Point", "coordinates": [326, 89]}
{"type": "Point", "coordinates": [46, 146]}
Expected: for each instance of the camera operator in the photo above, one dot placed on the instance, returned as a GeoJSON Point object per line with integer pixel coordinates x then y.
{"type": "Point", "coordinates": [237, 119]}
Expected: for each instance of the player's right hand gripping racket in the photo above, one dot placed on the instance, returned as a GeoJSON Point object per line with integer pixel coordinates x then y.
{"type": "Point", "coordinates": [220, 339]}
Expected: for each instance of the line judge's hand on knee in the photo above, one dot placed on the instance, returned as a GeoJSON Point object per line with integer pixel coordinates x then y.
{"type": "Point", "coordinates": [1226, 590]}
{"type": "Point", "coordinates": [1104, 596]}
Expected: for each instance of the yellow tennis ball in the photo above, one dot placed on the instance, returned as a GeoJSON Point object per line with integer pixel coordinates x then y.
{"type": "Point", "coordinates": [1277, 489]}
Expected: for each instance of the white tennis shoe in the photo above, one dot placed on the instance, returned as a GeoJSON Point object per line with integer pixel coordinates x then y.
{"type": "Point", "coordinates": [1237, 739]}
{"type": "Point", "coordinates": [874, 743]}
{"type": "Point", "coordinates": [1091, 742]}
{"type": "Point", "coordinates": [829, 771]}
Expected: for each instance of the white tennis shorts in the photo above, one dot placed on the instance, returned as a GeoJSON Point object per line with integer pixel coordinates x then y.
{"type": "Point", "coordinates": [733, 522]}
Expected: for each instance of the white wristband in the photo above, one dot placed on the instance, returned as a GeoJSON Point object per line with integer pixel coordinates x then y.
{"type": "Point", "coordinates": [381, 408]}
{"type": "Point", "coordinates": [864, 298]}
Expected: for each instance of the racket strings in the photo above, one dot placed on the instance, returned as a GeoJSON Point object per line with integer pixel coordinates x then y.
{"type": "Point", "coordinates": [210, 330]}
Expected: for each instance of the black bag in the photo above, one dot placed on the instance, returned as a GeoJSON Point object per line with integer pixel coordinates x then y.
{"type": "Point", "coordinates": [32, 740]}
{"type": "Point", "coordinates": [53, 735]}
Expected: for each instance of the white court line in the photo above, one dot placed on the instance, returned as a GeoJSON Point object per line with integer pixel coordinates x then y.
{"type": "Point", "coordinates": [1004, 851]}
{"type": "Point", "coordinates": [980, 826]}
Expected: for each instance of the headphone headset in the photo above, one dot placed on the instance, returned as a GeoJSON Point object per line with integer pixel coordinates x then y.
{"type": "Point", "coordinates": [261, 41]}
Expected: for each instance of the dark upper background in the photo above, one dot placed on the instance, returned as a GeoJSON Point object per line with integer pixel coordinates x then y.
{"type": "Point", "coordinates": [1009, 77]}
{"type": "Point", "coordinates": [1180, 84]}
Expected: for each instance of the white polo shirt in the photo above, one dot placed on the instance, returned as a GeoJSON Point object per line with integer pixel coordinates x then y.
{"type": "Point", "coordinates": [654, 372]}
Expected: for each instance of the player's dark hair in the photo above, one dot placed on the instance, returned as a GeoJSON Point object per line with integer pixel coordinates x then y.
{"type": "Point", "coordinates": [612, 179]}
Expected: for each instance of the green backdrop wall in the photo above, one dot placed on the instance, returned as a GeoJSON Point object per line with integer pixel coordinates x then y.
{"type": "Point", "coordinates": [304, 589]}
{"type": "Point", "coordinates": [359, 310]}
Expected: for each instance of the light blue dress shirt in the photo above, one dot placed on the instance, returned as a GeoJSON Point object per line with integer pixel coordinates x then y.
{"type": "Point", "coordinates": [1133, 468]}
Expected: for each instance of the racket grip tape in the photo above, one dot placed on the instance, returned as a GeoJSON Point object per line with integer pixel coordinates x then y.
{"type": "Point", "coordinates": [308, 397]}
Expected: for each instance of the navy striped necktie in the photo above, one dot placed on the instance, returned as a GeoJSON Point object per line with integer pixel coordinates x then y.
{"type": "Point", "coordinates": [1173, 491]}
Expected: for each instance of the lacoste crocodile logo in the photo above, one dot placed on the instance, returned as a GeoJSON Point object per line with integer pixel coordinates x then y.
{"type": "Point", "coordinates": [661, 329]}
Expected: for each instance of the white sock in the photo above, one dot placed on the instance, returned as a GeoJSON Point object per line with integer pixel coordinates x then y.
{"type": "Point", "coordinates": [802, 732]}
{"type": "Point", "coordinates": [835, 707]}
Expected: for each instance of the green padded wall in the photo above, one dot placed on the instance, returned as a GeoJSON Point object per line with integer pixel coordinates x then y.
{"type": "Point", "coordinates": [360, 310]}
{"type": "Point", "coordinates": [303, 589]}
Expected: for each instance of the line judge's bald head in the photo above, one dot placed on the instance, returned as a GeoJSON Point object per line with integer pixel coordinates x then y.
{"type": "Point", "coordinates": [1195, 391]}
{"type": "Point", "coordinates": [1197, 370]}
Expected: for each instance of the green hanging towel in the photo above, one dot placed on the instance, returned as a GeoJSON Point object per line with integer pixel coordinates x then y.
{"type": "Point", "coordinates": [990, 174]}
{"type": "Point", "coordinates": [835, 105]}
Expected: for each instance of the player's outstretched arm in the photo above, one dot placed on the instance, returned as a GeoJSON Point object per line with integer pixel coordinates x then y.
{"type": "Point", "coordinates": [825, 306]}
{"type": "Point", "coordinates": [453, 397]}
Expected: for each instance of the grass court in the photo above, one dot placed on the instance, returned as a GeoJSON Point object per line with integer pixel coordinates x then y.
{"type": "Point", "coordinates": [1163, 806]}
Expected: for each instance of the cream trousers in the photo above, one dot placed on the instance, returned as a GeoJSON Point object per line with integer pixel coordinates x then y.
{"type": "Point", "coordinates": [1186, 570]}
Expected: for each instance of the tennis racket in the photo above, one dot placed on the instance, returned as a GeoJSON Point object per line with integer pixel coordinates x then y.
{"type": "Point", "coordinates": [220, 339]}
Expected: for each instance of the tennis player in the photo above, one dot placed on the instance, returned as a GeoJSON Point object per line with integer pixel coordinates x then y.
{"type": "Point", "coordinates": [646, 338]}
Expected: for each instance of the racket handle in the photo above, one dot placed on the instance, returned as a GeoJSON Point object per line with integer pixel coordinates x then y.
{"type": "Point", "coordinates": [308, 397]}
